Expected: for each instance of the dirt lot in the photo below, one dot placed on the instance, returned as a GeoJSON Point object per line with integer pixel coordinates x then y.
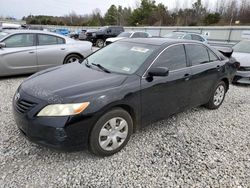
{"type": "Point", "coordinates": [196, 148]}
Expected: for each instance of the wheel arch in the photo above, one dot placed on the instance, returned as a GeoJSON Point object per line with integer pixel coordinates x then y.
{"type": "Point", "coordinates": [72, 53]}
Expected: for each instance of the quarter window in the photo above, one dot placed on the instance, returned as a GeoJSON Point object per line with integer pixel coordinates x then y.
{"type": "Point", "coordinates": [173, 58]}
{"type": "Point", "coordinates": [212, 57]}
{"type": "Point", "coordinates": [197, 54]}
{"type": "Point", "coordinates": [49, 40]}
{"type": "Point", "coordinates": [19, 40]}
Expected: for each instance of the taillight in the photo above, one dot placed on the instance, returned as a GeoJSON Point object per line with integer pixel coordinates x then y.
{"type": "Point", "coordinates": [237, 65]}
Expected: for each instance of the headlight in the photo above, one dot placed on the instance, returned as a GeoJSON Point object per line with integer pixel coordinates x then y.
{"type": "Point", "coordinates": [63, 109]}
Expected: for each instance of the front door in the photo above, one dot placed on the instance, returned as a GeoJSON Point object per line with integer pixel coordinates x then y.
{"type": "Point", "coordinates": [164, 96]}
{"type": "Point", "coordinates": [19, 55]}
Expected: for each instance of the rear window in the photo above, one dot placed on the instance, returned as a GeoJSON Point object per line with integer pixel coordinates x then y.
{"type": "Point", "coordinates": [197, 53]}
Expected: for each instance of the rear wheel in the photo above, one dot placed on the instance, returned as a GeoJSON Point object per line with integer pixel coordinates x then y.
{"type": "Point", "coordinates": [72, 58]}
{"type": "Point", "coordinates": [111, 132]}
{"type": "Point", "coordinates": [100, 43]}
{"type": "Point", "coordinates": [217, 97]}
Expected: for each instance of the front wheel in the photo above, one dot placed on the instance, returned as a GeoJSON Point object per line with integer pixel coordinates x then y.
{"type": "Point", "coordinates": [111, 132]}
{"type": "Point", "coordinates": [217, 97]}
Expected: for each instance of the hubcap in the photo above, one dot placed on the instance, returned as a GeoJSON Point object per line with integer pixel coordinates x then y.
{"type": "Point", "coordinates": [72, 59]}
{"type": "Point", "coordinates": [219, 95]}
{"type": "Point", "coordinates": [113, 133]}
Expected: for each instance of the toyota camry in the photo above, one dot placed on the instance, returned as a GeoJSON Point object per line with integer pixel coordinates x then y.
{"type": "Point", "coordinates": [100, 102]}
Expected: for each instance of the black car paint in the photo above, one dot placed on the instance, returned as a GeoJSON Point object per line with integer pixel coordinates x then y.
{"type": "Point", "coordinates": [147, 100]}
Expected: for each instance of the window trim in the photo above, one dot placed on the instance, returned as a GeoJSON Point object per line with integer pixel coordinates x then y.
{"type": "Point", "coordinates": [188, 61]}
{"type": "Point", "coordinates": [37, 39]}
{"type": "Point", "coordinates": [34, 39]}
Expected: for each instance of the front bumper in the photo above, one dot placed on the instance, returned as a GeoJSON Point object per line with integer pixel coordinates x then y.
{"type": "Point", "coordinates": [62, 133]}
{"type": "Point", "coordinates": [242, 77]}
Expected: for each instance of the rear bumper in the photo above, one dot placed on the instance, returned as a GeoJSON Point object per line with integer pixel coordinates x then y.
{"type": "Point", "coordinates": [242, 77]}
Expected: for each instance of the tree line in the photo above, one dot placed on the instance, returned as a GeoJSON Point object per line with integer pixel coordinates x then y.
{"type": "Point", "coordinates": [149, 13]}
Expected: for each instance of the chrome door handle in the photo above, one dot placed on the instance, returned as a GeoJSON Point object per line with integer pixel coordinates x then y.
{"type": "Point", "coordinates": [187, 77]}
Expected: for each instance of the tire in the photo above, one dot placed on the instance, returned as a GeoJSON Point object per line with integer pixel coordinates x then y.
{"type": "Point", "coordinates": [217, 97]}
{"type": "Point", "coordinates": [100, 43]}
{"type": "Point", "coordinates": [72, 58]}
{"type": "Point", "coordinates": [113, 127]}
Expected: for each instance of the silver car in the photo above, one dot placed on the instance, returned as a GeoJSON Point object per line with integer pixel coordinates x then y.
{"type": "Point", "coordinates": [242, 54]}
{"type": "Point", "coordinates": [28, 51]}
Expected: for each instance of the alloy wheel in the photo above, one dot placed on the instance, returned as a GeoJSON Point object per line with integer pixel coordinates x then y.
{"type": "Point", "coordinates": [219, 95]}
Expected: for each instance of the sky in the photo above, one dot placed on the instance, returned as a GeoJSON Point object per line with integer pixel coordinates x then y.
{"type": "Point", "coordinates": [20, 8]}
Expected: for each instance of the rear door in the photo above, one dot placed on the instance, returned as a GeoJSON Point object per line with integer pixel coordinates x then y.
{"type": "Point", "coordinates": [206, 68]}
{"type": "Point", "coordinates": [164, 96]}
{"type": "Point", "coordinates": [19, 55]}
{"type": "Point", "coordinates": [51, 51]}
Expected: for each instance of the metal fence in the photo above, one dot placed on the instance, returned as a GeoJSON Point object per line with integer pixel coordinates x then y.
{"type": "Point", "coordinates": [215, 34]}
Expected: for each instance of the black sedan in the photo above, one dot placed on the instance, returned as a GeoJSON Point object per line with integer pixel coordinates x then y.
{"type": "Point", "coordinates": [119, 89]}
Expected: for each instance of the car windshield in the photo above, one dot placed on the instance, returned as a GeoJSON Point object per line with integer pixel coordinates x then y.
{"type": "Point", "coordinates": [124, 34]}
{"type": "Point", "coordinates": [3, 34]}
{"type": "Point", "coordinates": [121, 57]}
{"type": "Point", "coordinates": [243, 46]}
{"type": "Point", "coordinates": [174, 35]}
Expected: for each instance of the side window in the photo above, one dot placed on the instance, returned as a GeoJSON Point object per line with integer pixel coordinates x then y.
{"type": "Point", "coordinates": [136, 35]}
{"type": "Point", "coordinates": [197, 54]}
{"type": "Point", "coordinates": [197, 37]}
{"type": "Point", "coordinates": [173, 58]}
{"type": "Point", "coordinates": [188, 37]}
{"type": "Point", "coordinates": [143, 35]}
{"type": "Point", "coordinates": [49, 40]}
{"type": "Point", "coordinates": [19, 40]}
{"type": "Point", "coordinates": [212, 56]}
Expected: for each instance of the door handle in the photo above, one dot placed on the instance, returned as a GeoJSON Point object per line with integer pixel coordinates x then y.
{"type": "Point", "coordinates": [218, 68]}
{"type": "Point", "coordinates": [187, 77]}
{"type": "Point", "coordinates": [31, 52]}
{"type": "Point", "coordinates": [62, 48]}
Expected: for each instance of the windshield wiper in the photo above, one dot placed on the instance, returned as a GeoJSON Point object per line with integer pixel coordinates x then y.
{"type": "Point", "coordinates": [87, 63]}
{"type": "Point", "coordinates": [101, 67]}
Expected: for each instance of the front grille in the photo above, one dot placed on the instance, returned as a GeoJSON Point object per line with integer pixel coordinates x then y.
{"type": "Point", "coordinates": [24, 106]}
{"type": "Point", "coordinates": [244, 69]}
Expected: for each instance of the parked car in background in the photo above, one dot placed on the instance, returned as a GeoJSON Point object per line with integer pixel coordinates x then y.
{"type": "Point", "coordinates": [82, 34]}
{"type": "Point", "coordinates": [64, 32]}
{"type": "Point", "coordinates": [130, 34]}
{"type": "Point", "coordinates": [99, 37]}
{"type": "Point", "coordinates": [74, 34]}
{"type": "Point", "coordinates": [242, 54]}
{"type": "Point", "coordinates": [119, 89]}
{"type": "Point", "coordinates": [28, 51]}
{"type": "Point", "coordinates": [186, 35]}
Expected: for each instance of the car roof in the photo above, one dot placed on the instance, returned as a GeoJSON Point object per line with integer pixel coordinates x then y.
{"type": "Point", "coordinates": [18, 31]}
{"type": "Point", "coordinates": [159, 41]}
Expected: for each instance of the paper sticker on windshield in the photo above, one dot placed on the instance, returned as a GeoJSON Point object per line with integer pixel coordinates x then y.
{"type": "Point", "coordinates": [139, 49]}
{"type": "Point", "coordinates": [127, 69]}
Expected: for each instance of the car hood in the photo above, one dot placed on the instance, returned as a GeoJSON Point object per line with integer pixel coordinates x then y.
{"type": "Point", "coordinates": [243, 58]}
{"type": "Point", "coordinates": [69, 82]}
{"type": "Point", "coordinates": [114, 39]}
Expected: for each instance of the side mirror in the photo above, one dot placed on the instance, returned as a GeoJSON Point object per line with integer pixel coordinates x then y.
{"type": "Point", "coordinates": [158, 71]}
{"type": "Point", "coordinates": [2, 45]}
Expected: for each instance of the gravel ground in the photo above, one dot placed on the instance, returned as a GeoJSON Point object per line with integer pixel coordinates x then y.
{"type": "Point", "coordinates": [197, 148]}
